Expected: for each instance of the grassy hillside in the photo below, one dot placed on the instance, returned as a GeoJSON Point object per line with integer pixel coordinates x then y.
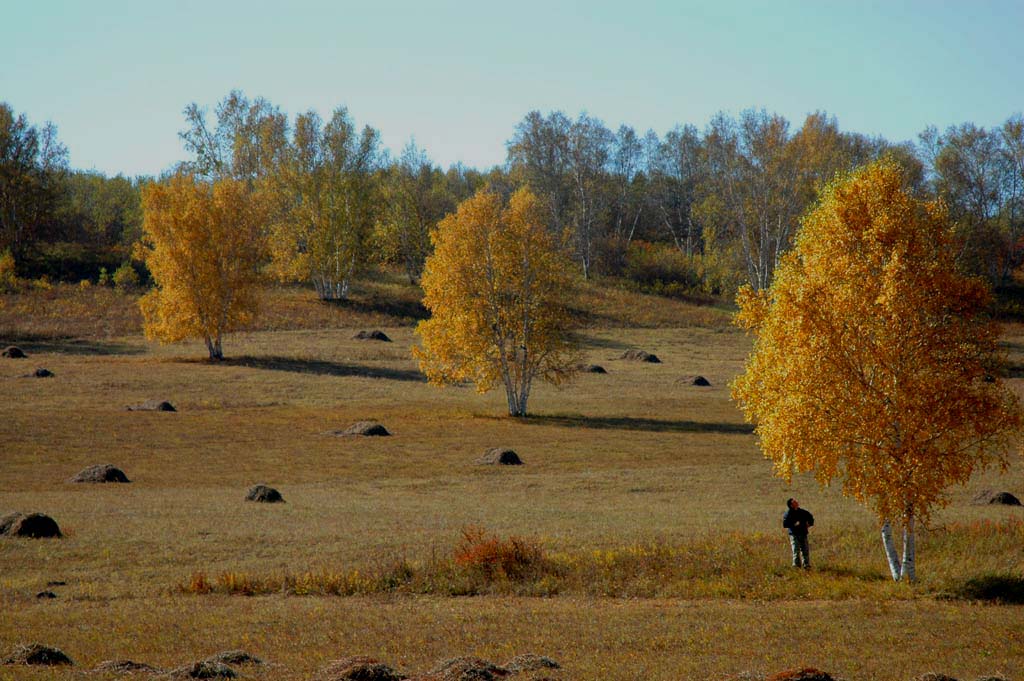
{"type": "Point", "coordinates": [655, 517]}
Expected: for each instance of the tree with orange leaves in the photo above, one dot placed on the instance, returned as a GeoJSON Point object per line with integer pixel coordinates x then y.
{"type": "Point", "coordinates": [874, 360]}
{"type": "Point", "coordinates": [203, 245]}
{"type": "Point", "coordinates": [498, 289]}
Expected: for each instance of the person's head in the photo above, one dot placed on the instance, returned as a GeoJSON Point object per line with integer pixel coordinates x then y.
{"type": "Point", "coordinates": [792, 503]}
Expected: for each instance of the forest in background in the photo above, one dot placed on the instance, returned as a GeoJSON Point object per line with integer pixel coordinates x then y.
{"type": "Point", "coordinates": [693, 212]}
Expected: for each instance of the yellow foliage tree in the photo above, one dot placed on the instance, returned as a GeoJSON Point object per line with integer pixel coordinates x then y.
{"type": "Point", "coordinates": [498, 288]}
{"type": "Point", "coordinates": [202, 244]}
{"type": "Point", "coordinates": [874, 360]}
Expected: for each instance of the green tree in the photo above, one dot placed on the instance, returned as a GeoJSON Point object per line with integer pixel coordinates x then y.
{"type": "Point", "coordinates": [416, 196]}
{"type": "Point", "coordinates": [32, 167]}
{"type": "Point", "coordinates": [327, 183]}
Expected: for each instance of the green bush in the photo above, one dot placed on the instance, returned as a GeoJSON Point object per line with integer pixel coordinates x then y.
{"type": "Point", "coordinates": [126, 278]}
{"type": "Point", "coordinates": [8, 272]}
{"type": "Point", "coordinates": [663, 269]}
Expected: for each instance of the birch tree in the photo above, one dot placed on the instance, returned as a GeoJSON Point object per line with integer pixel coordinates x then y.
{"type": "Point", "coordinates": [415, 198]}
{"type": "Point", "coordinates": [33, 166]}
{"type": "Point", "coordinates": [327, 181]}
{"type": "Point", "coordinates": [202, 243]}
{"type": "Point", "coordinates": [498, 288]}
{"type": "Point", "coordinates": [874, 360]}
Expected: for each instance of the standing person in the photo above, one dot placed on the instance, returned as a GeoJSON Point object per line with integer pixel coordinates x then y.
{"type": "Point", "coordinates": [798, 521]}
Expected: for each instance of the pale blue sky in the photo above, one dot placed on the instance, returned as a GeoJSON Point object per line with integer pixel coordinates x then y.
{"type": "Point", "coordinates": [115, 76]}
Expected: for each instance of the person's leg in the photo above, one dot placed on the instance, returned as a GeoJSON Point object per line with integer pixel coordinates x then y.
{"type": "Point", "coordinates": [805, 548]}
{"type": "Point", "coordinates": [794, 544]}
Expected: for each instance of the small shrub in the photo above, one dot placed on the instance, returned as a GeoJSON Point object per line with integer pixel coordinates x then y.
{"type": "Point", "coordinates": [515, 558]}
{"type": "Point", "coordinates": [42, 284]}
{"type": "Point", "coordinates": [104, 279]}
{"type": "Point", "coordinates": [664, 270]}
{"type": "Point", "coordinates": [198, 584]}
{"type": "Point", "coordinates": [661, 267]}
{"type": "Point", "coordinates": [8, 272]}
{"type": "Point", "coordinates": [126, 278]}
{"type": "Point", "coordinates": [85, 285]}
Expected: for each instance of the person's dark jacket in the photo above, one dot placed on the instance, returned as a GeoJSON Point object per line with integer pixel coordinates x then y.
{"type": "Point", "coordinates": [797, 520]}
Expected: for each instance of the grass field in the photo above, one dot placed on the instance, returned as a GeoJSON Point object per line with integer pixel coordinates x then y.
{"type": "Point", "coordinates": [657, 517]}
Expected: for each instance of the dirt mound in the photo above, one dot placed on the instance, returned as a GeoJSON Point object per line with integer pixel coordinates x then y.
{"type": "Point", "coordinates": [35, 653]}
{"type": "Point", "coordinates": [989, 496]}
{"type": "Point", "coordinates": [13, 352]}
{"type": "Point", "coordinates": [364, 428]}
{"type": "Point", "coordinates": [101, 473]}
{"type": "Point", "coordinates": [500, 456]}
{"type": "Point", "coordinates": [699, 381]}
{"type": "Point", "coordinates": [125, 667]}
{"type": "Point", "coordinates": [265, 495]}
{"type": "Point", "coordinates": [40, 373]}
{"type": "Point", "coordinates": [640, 356]}
{"type": "Point", "coordinates": [46, 595]}
{"type": "Point", "coordinates": [33, 525]}
{"type": "Point", "coordinates": [372, 335]}
{"type": "Point", "coordinates": [528, 662]}
{"type": "Point", "coordinates": [804, 674]}
{"type": "Point", "coordinates": [591, 369]}
{"type": "Point", "coordinates": [237, 657]}
{"type": "Point", "coordinates": [204, 669]}
{"type": "Point", "coordinates": [359, 668]}
{"type": "Point", "coordinates": [152, 405]}
{"type": "Point", "coordinates": [467, 669]}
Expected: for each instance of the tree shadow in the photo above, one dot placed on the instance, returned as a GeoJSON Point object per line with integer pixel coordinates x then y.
{"type": "Point", "coordinates": [643, 424]}
{"type": "Point", "coordinates": [861, 575]}
{"type": "Point", "coordinates": [321, 367]}
{"type": "Point", "coordinates": [594, 342]}
{"type": "Point", "coordinates": [993, 588]}
{"type": "Point", "coordinates": [1012, 370]}
{"type": "Point", "coordinates": [391, 307]}
{"type": "Point", "coordinates": [73, 346]}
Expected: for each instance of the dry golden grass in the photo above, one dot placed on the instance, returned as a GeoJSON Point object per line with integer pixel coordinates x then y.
{"type": "Point", "coordinates": [648, 494]}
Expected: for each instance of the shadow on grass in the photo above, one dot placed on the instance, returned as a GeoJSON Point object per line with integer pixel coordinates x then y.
{"type": "Point", "coordinates": [593, 342]}
{"type": "Point", "coordinates": [644, 424]}
{"type": "Point", "coordinates": [860, 575]}
{"type": "Point", "coordinates": [321, 367]}
{"type": "Point", "coordinates": [72, 346]}
{"type": "Point", "coordinates": [391, 307]}
{"type": "Point", "coordinates": [1012, 370]}
{"type": "Point", "coordinates": [995, 588]}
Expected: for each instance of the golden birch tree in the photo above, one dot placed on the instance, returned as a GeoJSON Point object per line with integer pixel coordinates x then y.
{"type": "Point", "coordinates": [498, 288]}
{"type": "Point", "coordinates": [874, 360]}
{"type": "Point", "coordinates": [202, 244]}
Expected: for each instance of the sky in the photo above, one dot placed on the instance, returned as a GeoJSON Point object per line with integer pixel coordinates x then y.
{"type": "Point", "coordinates": [114, 77]}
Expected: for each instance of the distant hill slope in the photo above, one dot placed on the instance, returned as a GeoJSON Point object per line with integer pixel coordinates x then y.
{"type": "Point", "coordinates": [69, 311]}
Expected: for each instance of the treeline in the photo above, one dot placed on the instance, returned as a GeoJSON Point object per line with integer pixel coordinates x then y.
{"type": "Point", "coordinates": [692, 211]}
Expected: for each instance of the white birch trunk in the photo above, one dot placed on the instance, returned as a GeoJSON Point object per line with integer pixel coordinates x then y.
{"type": "Point", "coordinates": [895, 567]}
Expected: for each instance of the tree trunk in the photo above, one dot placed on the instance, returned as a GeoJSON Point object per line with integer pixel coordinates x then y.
{"type": "Point", "coordinates": [895, 567]}
{"type": "Point", "coordinates": [909, 549]}
{"type": "Point", "coordinates": [214, 347]}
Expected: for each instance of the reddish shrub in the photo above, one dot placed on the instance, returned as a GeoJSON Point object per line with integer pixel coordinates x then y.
{"type": "Point", "coordinates": [514, 558]}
